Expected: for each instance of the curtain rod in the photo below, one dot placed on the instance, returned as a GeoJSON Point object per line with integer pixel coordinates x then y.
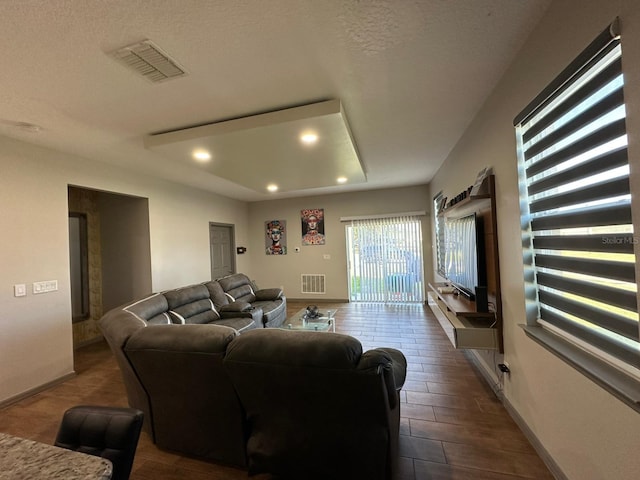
{"type": "Point", "coordinates": [386, 215]}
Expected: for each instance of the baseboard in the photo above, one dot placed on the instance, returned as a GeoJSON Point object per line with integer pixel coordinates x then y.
{"type": "Point", "coordinates": [553, 467]}
{"type": "Point", "coordinates": [36, 390]}
{"type": "Point", "coordinates": [317, 301]}
{"type": "Point", "coordinates": [494, 382]}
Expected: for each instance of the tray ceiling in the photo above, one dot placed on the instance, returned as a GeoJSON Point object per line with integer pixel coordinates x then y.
{"type": "Point", "coordinates": [269, 149]}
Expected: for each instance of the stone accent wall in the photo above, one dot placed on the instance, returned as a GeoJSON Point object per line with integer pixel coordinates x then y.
{"type": "Point", "coordinates": [84, 201]}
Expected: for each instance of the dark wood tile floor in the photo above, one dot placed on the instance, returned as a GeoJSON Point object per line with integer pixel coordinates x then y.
{"type": "Point", "coordinates": [452, 428]}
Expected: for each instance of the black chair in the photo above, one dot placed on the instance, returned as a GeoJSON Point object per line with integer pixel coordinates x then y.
{"type": "Point", "coordinates": [107, 432]}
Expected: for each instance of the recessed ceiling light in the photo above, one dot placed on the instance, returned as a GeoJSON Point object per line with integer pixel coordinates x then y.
{"type": "Point", "coordinates": [341, 179]}
{"type": "Point", "coordinates": [202, 155]}
{"type": "Point", "coordinates": [309, 138]}
{"type": "Point", "coordinates": [272, 187]}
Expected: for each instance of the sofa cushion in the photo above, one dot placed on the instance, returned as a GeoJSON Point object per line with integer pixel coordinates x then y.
{"type": "Point", "coordinates": [191, 305]}
{"type": "Point", "coordinates": [180, 296]}
{"type": "Point", "coordinates": [217, 294]}
{"type": "Point", "coordinates": [238, 286]}
{"type": "Point", "coordinates": [243, 293]}
{"type": "Point", "coordinates": [200, 311]}
{"type": "Point", "coordinates": [152, 309]}
{"type": "Point", "coordinates": [233, 281]}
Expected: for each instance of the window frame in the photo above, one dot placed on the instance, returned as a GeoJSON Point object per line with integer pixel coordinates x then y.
{"type": "Point", "coordinates": [617, 374]}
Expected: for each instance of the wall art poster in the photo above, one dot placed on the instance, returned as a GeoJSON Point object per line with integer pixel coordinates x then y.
{"type": "Point", "coordinates": [276, 237]}
{"type": "Point", "coordinates": [312, 226]}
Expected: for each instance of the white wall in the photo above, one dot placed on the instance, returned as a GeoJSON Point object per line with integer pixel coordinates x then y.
{"type": "Point", "coordinates": [285, 270]}
{"type": "Point", "coordinates": [588, 433]}
{"type": "Point", "coordinates": [35, 331]}
{"type": "Point", "coordinates": [124, 248]}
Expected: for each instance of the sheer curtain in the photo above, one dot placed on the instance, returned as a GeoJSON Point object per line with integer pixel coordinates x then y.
{"type": "Point", "coordinates": [385, 259]}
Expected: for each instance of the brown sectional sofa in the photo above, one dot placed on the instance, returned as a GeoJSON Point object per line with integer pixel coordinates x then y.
{"type": "Point", "coordinates": [233, 301]}
{"type": "Point", "coordinates": [213, 385]}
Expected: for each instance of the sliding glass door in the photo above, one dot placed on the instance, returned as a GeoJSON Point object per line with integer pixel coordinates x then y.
{"type": "Point", "coordinates": [385, 260]}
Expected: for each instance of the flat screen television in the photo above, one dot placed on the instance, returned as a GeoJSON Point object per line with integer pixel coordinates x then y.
{"type": "Point", "coordinates": [465, 262]}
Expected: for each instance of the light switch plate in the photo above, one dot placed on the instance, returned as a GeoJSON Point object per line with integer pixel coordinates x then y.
{"type": "Point", "coordinates": [46, 286]}
{"type": "Point", "coordinates": [19, 290]}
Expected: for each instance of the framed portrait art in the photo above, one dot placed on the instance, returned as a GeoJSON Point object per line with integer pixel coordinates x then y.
{"type": "Point", "coordinates": [275, 240]}
{"type": "Point", "coordinates": [312, 220]}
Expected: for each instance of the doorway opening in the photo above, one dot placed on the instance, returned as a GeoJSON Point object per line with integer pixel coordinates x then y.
{"type": "Point", "coordinates": [385, 260]}
{"type": "Point", "coordinates": [109, 256]}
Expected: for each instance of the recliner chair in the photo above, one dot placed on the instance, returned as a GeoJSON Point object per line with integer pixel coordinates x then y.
{"type": "Point", "coordinates": [107, 432]}
{"type": "Point", "coordinates": [316, 406]}
{"type": "Point", "coordinates": [193, 406]}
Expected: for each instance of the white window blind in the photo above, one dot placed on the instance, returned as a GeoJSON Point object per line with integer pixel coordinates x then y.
{"type": "Point", "coordinates": [385, 260]}
{"type": "Point", "coordinates": [574, 173]}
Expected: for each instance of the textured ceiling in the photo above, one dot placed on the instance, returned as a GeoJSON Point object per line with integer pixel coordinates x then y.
{"type": "Point", "coordinates": [410, 75]}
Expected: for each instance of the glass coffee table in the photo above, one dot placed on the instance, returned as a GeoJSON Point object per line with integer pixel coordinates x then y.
{"type": "Point", "coordinates": [324, 322]}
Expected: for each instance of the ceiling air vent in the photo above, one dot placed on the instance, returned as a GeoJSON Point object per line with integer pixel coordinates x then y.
{"type": "Point", "coordinates": [150, 61]}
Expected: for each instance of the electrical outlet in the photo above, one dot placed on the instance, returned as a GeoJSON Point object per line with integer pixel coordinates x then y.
{"type": "Point", "coordinates": [19, 290]}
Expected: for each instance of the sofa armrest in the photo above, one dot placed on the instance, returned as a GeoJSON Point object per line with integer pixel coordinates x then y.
{"type": "Point", "coordinates": [255, 313]}
{"type": "Point", "coordinates": [237, 306]}
{"type": "Point", "coordinates": [398, 365]}
{"type": "Point", "coordinates": [393, 365]}
{"type": "Point", "coordinates": [268, 294]}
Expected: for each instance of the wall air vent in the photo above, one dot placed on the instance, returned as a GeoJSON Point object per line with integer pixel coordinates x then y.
{"type": "Point", "coordinates": [150, 61]}
{"type": "Point", "coordinates": [312, 283]}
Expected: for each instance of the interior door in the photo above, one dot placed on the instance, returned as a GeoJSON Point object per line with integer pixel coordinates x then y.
{"type": "Point", "coordinates": [223, 259]}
